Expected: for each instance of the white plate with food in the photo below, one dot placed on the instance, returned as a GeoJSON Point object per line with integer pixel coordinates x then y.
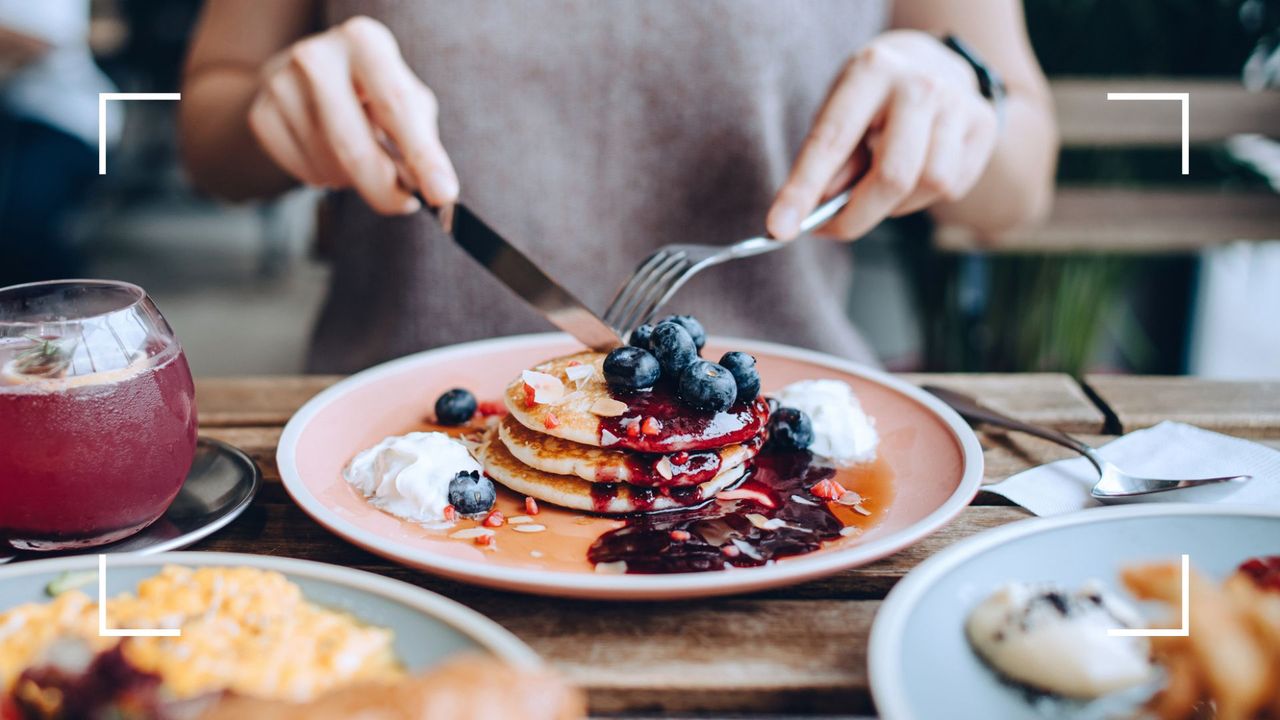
{"type": "Point", "coordinates": [260, 637]}
{"type": "Point", "coordinates": [1013, 622]}
{"type": "Point", "coordinates": [528, 464]}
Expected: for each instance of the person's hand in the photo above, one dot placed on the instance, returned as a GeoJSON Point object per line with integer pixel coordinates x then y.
{"type": "Point", "coordinates": [913, 105]}
{"type": "Point", "coordinates": [326, 102]}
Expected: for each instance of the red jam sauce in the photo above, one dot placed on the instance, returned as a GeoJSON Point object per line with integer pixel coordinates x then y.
{"type": "Point", "coordinates": [1264, 571]}
{"type": "Point", "coordinates": [657, 422]}
{"type": "Point", "coordinates": [719, 534]}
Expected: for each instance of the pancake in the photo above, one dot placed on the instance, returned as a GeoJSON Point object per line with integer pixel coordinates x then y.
{"type": "Point", "coordinates": [575, 416]}
{"type": "Point", "coordinates": [594, 464]}
{"type": "Point", "coordinates": [578, 494]}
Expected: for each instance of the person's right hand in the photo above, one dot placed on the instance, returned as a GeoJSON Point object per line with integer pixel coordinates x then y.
{"type": "Point", "coordinates": [325, 101]}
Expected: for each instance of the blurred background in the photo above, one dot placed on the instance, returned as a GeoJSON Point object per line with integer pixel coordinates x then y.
{"type": "Point", "coordinates": [1139, 269]}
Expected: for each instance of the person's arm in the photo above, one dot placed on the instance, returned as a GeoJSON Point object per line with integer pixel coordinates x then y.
{"type": "Point", "coordinates": [266, 104]}
{"type": "Point", "coordinates": [913, 106]}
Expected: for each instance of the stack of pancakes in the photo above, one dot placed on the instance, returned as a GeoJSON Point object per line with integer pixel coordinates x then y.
{"type": "Point", "coordinates": [593, 450]}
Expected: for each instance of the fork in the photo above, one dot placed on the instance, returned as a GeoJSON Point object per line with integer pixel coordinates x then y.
{"type": "Point", "coordinates": [660, 275]}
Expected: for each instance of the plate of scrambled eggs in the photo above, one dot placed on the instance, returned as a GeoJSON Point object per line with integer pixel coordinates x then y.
{"type": "Point", "coordinates": [251, 626]}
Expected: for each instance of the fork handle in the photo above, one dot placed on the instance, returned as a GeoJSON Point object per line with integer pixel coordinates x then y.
{"type": "Point", "coordinates": [758, 245]}
{"type": "Point", "coordinates": [975, 412]}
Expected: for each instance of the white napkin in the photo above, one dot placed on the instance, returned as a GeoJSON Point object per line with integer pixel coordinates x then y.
{"type": "Point", "coordinates": [1168, 450]}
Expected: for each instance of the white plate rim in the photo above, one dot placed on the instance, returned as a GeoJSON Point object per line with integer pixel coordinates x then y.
{"type": "Point", "coordinates": [884, 648]}
{"type": "Point", "coordinates": [598, 586]}
{"type": "Point", "coordinates": [475, 626]}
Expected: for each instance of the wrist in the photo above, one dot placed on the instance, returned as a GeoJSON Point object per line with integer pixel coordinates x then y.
{"type": "Point", "coordinates": [990, 85]}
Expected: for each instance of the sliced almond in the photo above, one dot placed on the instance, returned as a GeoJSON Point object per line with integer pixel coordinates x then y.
{"type": "Point", "coordinates": [663, 467]}
{"type": "Point", "coordinates": [580, 374]}
{"type": "Point", "coordinates": [861, 510]}
{"type": "Point", "coordinates": [612, 568]}
{"type": "Point", "coordinates": [546, 388]}
{"type": "Point", "coordinates": [608, 407]}
{"type": "Point", "coordinates": [535, 553]}
{"type": "Point", "coordinates": [757, 519]}
{"type": "Point", "coordinates": [520, 520]}
{"type": "Point", "coordinates": [471, 533]}
{"type": "Point", "coordinates": [848, 531]}
{"type": "Point", "coordinates": [850, 498]}
{"type": "Point", "coordinates": [529, 528]}
{"type": "Point", "coordinates": [607, 438]}
{"type": "Point", "coordinates": [803, 501]}
{"type": "Point", "coordinates": [773, 524]}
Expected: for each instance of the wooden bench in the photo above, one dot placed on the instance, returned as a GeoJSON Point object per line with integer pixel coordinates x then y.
{"type": "Point", "coordinates": [1175, 217]}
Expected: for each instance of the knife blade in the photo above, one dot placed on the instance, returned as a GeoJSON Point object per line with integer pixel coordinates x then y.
{"type": "Point", "coordinates": [515, 270]}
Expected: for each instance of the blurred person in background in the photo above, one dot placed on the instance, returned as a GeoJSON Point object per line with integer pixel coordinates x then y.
{"type": "Point", "coordinates": [49, 89]}
{"type": "Point", "coordinates": [595, 131]}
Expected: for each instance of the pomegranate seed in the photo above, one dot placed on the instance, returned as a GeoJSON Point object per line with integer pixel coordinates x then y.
{"type": "Point", "coordinates": [529, 395]}
{"type": "Point", "coordinates": [484, 540]}
{"type": "Point", "coordinates": [551, 422]}
{"type": "Point", "coordinates": [450, 513]}
{"type": "Point", "coordinates": [730, 550]}
{"type": "Point", "coordinates": [530, 506]}
{"type": "Point", "coordinates": [828, 490]}
{"type": "Point", "coordinates": [490, 408]}
{"type": "Point", "coordinates": [573, 363]}
{"type": "Point", "coordinates": [494, 519]}
{"type": "Point", "coordinates": [651, 426]}
{"type": "Point", "coordinates": [680, 458]}
{"type": "Point", "coordinates": [680, 535]}
{"type": "Point", "coordinates": [633, 430]}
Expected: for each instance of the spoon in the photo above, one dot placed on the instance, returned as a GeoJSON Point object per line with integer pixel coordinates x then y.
{"type": "Point", "coordinates": [1115, 486]}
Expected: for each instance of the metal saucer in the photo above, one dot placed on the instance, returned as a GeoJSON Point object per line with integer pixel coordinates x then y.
{"type": "Point", "coordinates": [221, 484]}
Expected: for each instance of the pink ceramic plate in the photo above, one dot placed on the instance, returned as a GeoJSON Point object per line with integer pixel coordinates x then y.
{"type": "Point", "coordinates": [930, 467]}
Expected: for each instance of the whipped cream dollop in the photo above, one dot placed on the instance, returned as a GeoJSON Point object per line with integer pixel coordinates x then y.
{"type": "Point", "coordinates": [409, 475]}
{"type": "Point", "coordinates": [1056, 641]}
{"type": "Point", "coordinates": [842, 432]}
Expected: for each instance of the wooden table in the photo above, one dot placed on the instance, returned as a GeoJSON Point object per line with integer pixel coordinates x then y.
{"type": "Point", "coordinates": [793, 652]}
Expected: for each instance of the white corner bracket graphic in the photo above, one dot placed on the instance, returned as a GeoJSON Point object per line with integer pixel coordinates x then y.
{"type": "Point", "coordinates": [102, 118]}
{"type": "Point", "coordinates": [1185, 630]}
{"type": "Point", "coordinates": [1185, 99]}
{"type": "Point", "coordinates": [103, 630]}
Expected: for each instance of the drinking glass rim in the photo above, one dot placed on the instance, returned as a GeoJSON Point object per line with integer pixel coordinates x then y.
{"type": "Point", "coordinates": [139, 297]}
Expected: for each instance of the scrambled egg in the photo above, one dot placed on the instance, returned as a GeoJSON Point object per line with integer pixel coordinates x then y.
{"type": "Point", "coordinates": [245, 630]}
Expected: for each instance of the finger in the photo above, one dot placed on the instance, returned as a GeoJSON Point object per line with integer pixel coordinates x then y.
{"type": "Point", "coordinates": [854, 102]}
{"type": "Point", "coordinates": [278, 141]}
{"type": "Point", "coordinates": [895, 166]}
{"type": "Point", "coordinates": [404, 108]}
{"type": "Point", "coordinates": [852, 169]}
{"type": "Point", "coordinates": [323, 62]}
{"type": "Point", "coordinates": [287, 90]}
{"type": "Point", "coordinates": [940, 181]}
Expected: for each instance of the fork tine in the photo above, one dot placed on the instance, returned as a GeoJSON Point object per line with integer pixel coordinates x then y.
{"type": "Point", "coordinates": [640, 289]}
{"type": "Point", "coordinates": [624, 295]}
{"type": "Point", "coordinates": [658, 290]}
{"type": "Point", "coordinates": [643, 294]}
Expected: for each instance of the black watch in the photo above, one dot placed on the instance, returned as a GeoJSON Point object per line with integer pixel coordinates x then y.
{"type": "Point", "coordinates": [990, 84]}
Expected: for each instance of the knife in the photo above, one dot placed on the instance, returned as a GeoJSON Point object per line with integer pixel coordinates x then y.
{"type": "Point", "coordinates": [515, 270]}
{"type": "Point", "coordinates": [510, 266]}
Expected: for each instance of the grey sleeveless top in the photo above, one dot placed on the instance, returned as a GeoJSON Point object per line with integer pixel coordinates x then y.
{"type": "Point", "coordinates": [591, 132]}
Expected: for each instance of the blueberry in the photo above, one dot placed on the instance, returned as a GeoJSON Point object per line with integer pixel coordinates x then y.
{"type": "Point", "coordinates": [691, 325]}
{"type": "Point", "coordinates": [630, 368]}
{"type": "Point", "coordinates": [640, 336]}
{"type": "Point", "coordinates": [790, 429]}
{"type": "Point", "coordinates": [471, 493]}
{"type": "Point", "coordinates": [455, 407]}
{"type": "Point", "coordinates": [704, 385]}
{"type": "Point", "coordinates": [674, 348]}
{"type": "Point", "coordinates": [743, 368]}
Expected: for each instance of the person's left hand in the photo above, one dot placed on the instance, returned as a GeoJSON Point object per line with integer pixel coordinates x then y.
{"type": "Point", "coordinates": [913, 105]}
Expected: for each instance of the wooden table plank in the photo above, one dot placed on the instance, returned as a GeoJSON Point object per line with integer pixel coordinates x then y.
{"type": "Point", "coordinates": [1052, 399]}
{"type": "Point", "coordinates": [1245, 409]}
{"type": "Point", "coordinates": [267, 400]}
